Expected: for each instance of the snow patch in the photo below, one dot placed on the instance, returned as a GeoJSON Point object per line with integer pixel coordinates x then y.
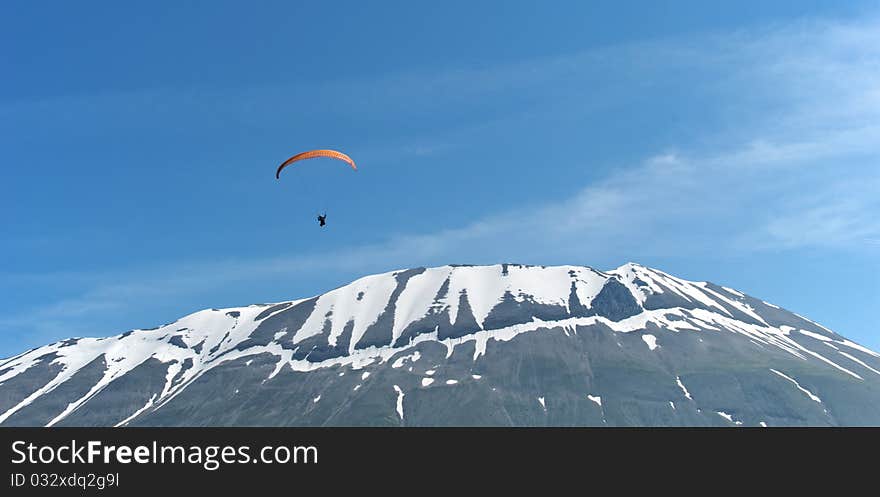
{"type": "Point", "coordinates": [146, 406]}
{"type": "Point", "coordinates": [857, 361]}
{"type": "Point", "coordinates": [486, 286]}
{"type": "Point", "coordinates": [400, 395]}
{"type": "Point", "coordinates": [731, 290]}
{"type": "Point", "coordinates": [858, 347]}
{"type": "Point", "coordinates": [808, 333]}
{"type": "Point", "coordinates": [417, 298]}
{"type": "Point", "coordinates": [360, 303]}
{"type": "Point", "coordinates": [728, 417]}
{"type": "Point", "coordinates": [399, 362]}
{"type": "Point", "coordinates": [802, 389]}
{"type": "Point", "coordinates": [683, 389]}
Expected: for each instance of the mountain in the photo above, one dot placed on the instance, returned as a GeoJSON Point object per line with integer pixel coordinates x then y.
{"type": "Point", "coordinates": [462, 345]}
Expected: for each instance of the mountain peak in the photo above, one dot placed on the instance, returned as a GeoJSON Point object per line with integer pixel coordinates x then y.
{"type": "Point", "coordinates": [464, 310]}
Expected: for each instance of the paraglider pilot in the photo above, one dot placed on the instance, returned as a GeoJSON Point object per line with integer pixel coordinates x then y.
{"type": "Point", "coordinates": [312, 154]}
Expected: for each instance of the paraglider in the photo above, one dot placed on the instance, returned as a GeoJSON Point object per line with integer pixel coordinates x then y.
{"type": "Point", "coordinates": [313, 154]}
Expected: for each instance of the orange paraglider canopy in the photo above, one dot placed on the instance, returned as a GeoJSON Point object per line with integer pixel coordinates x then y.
{"type": "Point", "coordinates": [312, 154]}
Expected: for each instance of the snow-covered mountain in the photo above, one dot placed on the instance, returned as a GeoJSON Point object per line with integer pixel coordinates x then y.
{"type": "Point", "coordinates": [462, 345]}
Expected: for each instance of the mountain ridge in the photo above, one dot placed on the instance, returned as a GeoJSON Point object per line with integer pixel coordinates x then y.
{"type": "Point", "coordinates": [380, 322]}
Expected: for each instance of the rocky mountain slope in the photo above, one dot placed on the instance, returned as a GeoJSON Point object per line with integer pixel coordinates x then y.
{"type": "Point", "coordinates": [462, 345]}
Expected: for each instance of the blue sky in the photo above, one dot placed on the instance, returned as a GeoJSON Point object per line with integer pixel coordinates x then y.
{"type": "Point", "coordinates": [735, 144]}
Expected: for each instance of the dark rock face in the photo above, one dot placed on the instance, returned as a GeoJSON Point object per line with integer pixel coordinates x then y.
{"type": "Point", "coordinates": [43, 410]}
{"type": "Point", "coordinates": [505, 345]}
{"type": "Point", "coordinates": [615, 302]}
{"type": "Point", "coordinates": [18, 388]}
{"type": "Point", "coordinates": [635, 385]}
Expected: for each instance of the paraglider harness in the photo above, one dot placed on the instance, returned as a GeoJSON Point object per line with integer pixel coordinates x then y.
{"type": "Point", "coordinates": [322, 219]}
